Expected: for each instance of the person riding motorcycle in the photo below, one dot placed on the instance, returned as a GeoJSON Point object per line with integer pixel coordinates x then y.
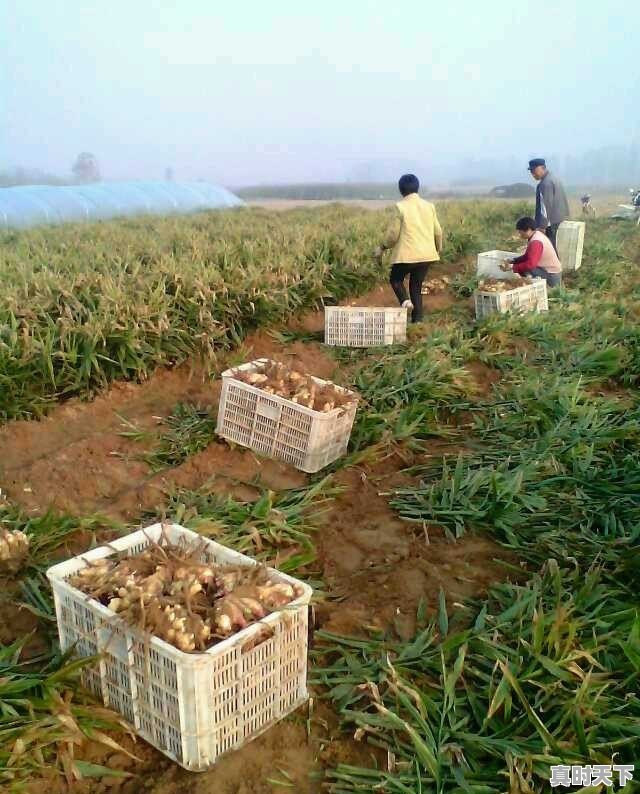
{"type": "Point", "coordinates": [587, 206]}
{"type": "Point", "coordinates": [630, 211]}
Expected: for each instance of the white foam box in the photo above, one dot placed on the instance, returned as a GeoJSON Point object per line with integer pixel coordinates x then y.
{"type": "Point", "coordinates": [488, 265]}
{"type": "Point", "coordinates": [529, 298]}
{"type": "Point", "coordinates": [362, 326]}
{"type": "Point", "coordinates": [279, 428]}
{"type": "Point", "coordinates": [570, 244]}
{"type": "Point", "coordinates": [193, 707]}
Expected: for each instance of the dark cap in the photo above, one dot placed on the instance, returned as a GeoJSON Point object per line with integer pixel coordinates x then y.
{"type": "Point", "coordinates": [535, 163]}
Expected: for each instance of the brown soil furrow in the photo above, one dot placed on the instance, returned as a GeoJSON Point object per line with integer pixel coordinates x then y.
{"type": "Point", "coordinates": [23, 442]}
{"type": "Point", "coordinates": [218, 468]}
{"type": "Point", "coordinates": [381, 567]}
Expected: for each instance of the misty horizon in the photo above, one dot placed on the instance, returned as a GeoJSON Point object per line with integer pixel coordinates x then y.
{"type": "Point", "coordinates": [250, 97]}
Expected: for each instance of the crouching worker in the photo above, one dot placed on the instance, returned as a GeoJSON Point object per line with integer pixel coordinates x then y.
{"type": "Point", "coordinates": [540, 259]}
{"type": "Point", "coordinates": [415, 238]}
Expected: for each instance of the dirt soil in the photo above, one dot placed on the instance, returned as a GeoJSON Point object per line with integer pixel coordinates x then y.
{"type": "Point", "coordinates": [379, 568]}
{"type": "Point", "coordinates": [376, 567]}
{"type": "Point", "coordinates": [484, 377]}
{"type": "Point", "coordinates": [18, 623]}
{"type": "Point", "coordinates": [77, 460]}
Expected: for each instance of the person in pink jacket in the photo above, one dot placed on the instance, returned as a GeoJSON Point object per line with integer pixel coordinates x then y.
{"type": "Point", "coordinates": [540, 259]}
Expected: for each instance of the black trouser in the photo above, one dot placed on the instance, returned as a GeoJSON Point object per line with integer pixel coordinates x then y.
{"type": "Point", "coordinates": [417, 273]}
{"type": "Point", "coordinates": [552, 234]}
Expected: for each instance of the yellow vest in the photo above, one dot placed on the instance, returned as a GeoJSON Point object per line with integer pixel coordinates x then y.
{"type": "Point", "coordinates": [420, 236]}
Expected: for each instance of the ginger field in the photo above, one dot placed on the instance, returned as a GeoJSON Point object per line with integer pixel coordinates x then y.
{"type": "Point", "coordinates": [475, 557]}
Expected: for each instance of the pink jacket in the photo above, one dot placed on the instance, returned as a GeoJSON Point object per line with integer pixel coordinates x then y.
{"type": "Point", "coordinates": [540, 253]}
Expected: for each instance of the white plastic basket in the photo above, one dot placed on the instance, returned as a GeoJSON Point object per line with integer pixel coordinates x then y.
{"type": "Point", "coordinates": [192, 707]}
{"type": "Point", "coordinates": [279, 428]}
{"type": "Point", "coordinates": [530, 298]}
{"type": "Point", "coordinates": [357, 326]}
{"type": "Point", "coordinates": [489, 262]}
{"type": "Point", "coordinates": [570, 242]}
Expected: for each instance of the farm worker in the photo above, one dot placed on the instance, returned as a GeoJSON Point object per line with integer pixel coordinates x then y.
{"type": "Point", "coordinates": [415, 238]}
{"type": "Point", "coordinates": [540, 259]}
{"type": "Point", "coordinates": [552, 206]}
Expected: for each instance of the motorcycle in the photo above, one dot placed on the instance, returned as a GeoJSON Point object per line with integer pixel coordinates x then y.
{"type": "Point", "coordinates": [630, 211]}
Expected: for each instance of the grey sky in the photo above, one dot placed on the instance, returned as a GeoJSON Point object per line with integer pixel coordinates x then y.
{"type": "Point", "coordinates": [248, 92]}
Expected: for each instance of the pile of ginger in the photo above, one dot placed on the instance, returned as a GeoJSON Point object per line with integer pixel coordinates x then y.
{"type": "Point", "coordinates": [167, 591]}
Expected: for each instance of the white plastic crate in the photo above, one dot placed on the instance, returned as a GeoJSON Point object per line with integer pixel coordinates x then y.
{"type": "Point", "coordinates": [358, 326]}
{"type": "Point", "coordinates": [570, 242]}
{"type": "Point", "coordinates": [279, 428]}
{"type": "Point", "coordinates": [530, 298]}
{"type": "Point", "coordinates": [489, 262]}
{"type": "Point", "coordinates": [192, 707]}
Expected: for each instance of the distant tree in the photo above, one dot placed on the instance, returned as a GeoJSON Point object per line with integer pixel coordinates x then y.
{"type": "Point", "coordinates": [168, 174]}
{"type": "Point", "coordinates": [86, 169]}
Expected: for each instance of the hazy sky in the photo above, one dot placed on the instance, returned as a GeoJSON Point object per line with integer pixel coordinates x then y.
{"type": "Point", "coordinates": [247, 92]}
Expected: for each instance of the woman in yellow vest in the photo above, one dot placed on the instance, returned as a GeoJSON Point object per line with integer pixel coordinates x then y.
{"type": "Point", "coordinates": [415, 238]}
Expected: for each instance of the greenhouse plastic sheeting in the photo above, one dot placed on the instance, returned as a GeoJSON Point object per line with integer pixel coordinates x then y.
{"type": "Point", "coordinates": [31, 205]}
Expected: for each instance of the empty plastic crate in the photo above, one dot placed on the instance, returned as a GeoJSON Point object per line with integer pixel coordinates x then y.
{"type": "Point", "coordinates": [489, 264]}
{"type": "Point", "coordinates": [355, 326]}
{"type": "Point", "coordinates": [530, 298]}
{"type": "Point", "coordinates": [279, 428]}
{"type": "Point", "coordinates": [570, 242]}
{"type": "Point", "coordinates": [192, 706]}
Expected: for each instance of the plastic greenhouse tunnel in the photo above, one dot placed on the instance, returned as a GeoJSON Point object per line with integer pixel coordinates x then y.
{"type": "Point", "coordinates": [33, 205]}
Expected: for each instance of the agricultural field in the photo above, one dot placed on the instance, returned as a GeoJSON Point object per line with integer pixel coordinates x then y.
{"type": "Point", "coordinates": [475, 556]}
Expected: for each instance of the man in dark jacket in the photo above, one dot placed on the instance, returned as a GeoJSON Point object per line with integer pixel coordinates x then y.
{"type": "Point", "coordinates": [552, 206]}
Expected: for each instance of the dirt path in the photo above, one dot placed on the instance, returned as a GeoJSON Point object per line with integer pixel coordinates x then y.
{"type": "Point", "coordinates": [376, 567]}
{"type": "Point", "coordinates": [77, 460]}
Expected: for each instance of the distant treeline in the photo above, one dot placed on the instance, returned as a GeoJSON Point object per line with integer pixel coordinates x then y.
{"type": "Point", "coordinates": [332, 191]}
{"type": "Point", "coordinates": [84, 170]}
{"type": "Point", "coordinates": [387, 191]}
{"type": "Point", "coordinates": [30, 176]}
{"type": "Point", "coordinates": [321, 192]}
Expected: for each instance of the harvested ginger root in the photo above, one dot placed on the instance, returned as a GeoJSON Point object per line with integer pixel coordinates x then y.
{"type": "Point", "coordinates": [276, 378]}
{"type": "Point", "coordinates": [14, 550]}
{"type": "Point", "coordinates": [434, 285]}
{"type": "Point", "coordinates": [504, 285]}
{"type": "Point", "coordinates": [168, 591]}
